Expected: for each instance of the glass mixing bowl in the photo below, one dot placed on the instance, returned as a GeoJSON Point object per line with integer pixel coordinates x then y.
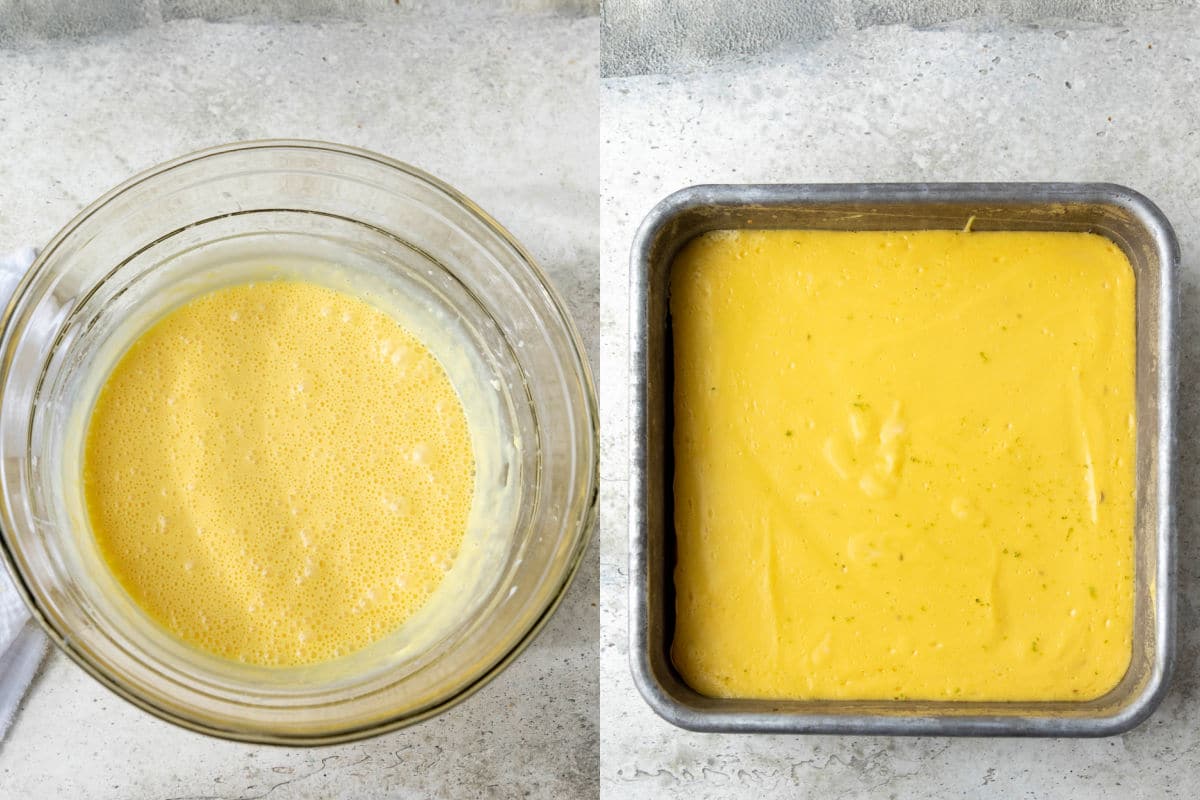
{"type": "Point", "coordinates": [349, 219]}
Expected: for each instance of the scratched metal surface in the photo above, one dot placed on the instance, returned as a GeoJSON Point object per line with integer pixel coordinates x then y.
{"type": "Point", "coordinates": [1107, 209]}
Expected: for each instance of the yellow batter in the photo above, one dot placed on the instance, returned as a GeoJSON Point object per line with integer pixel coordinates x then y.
{"type": "Point", "coordinates": [279, 473]}
{"type": "Point", "coordinates": [904, 464]}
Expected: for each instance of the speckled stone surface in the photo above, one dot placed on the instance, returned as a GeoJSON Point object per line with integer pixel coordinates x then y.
{"type": "Point", "coordinates": [663, 36]}
{"type": "Point", "coordinates": [503, 107]}
{"type": "Point", "coordinates": [1057, 102]}
{"type": "Point", "coordinates": [24, 20]}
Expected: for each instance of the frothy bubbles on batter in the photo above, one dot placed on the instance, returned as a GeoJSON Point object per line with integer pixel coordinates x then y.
{"type": "Point", "coordinates": [322, 473]}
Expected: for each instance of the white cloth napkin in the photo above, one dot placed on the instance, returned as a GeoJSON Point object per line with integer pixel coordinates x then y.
{"type": "Point", "coordinates": [22, 644]}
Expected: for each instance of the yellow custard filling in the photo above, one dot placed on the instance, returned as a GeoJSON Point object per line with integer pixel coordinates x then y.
{"type": "Point", "coordinates": [279, 473]}
{"type": "Point", "coordinates": [904, 464]}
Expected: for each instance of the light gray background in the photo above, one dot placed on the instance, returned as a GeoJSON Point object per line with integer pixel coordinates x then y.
{"type": "Point", "coordinates": [503, 106]}
{"type": "Point", "coordinates": [968, 101]}
{"type": "Point", "coordinates": [22, 20]}
{"type": "Point", "coordinates": [641, 36]}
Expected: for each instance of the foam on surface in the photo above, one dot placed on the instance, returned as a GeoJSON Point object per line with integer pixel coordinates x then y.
{"type": "Point", "coordinates": [279, 472]}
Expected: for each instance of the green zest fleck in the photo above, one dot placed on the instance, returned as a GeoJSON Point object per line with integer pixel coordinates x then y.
{"type": "Point", "coordinates": [984, 356]}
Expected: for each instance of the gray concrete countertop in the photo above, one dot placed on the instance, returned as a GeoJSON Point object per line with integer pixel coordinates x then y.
{"type": "Point", "coordinates": [501, 106]}
{"type": "Point", "coordinates": [641, 36]}
{"type": "Point", "coordinates": [972, 101]}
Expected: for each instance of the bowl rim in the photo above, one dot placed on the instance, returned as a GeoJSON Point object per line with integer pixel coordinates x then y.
{"type": "Point", "coordinates": [586, 522]}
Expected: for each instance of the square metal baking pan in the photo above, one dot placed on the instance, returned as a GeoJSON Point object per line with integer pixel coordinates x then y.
{"type": "Point", "coordinates": [1120, 214]}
